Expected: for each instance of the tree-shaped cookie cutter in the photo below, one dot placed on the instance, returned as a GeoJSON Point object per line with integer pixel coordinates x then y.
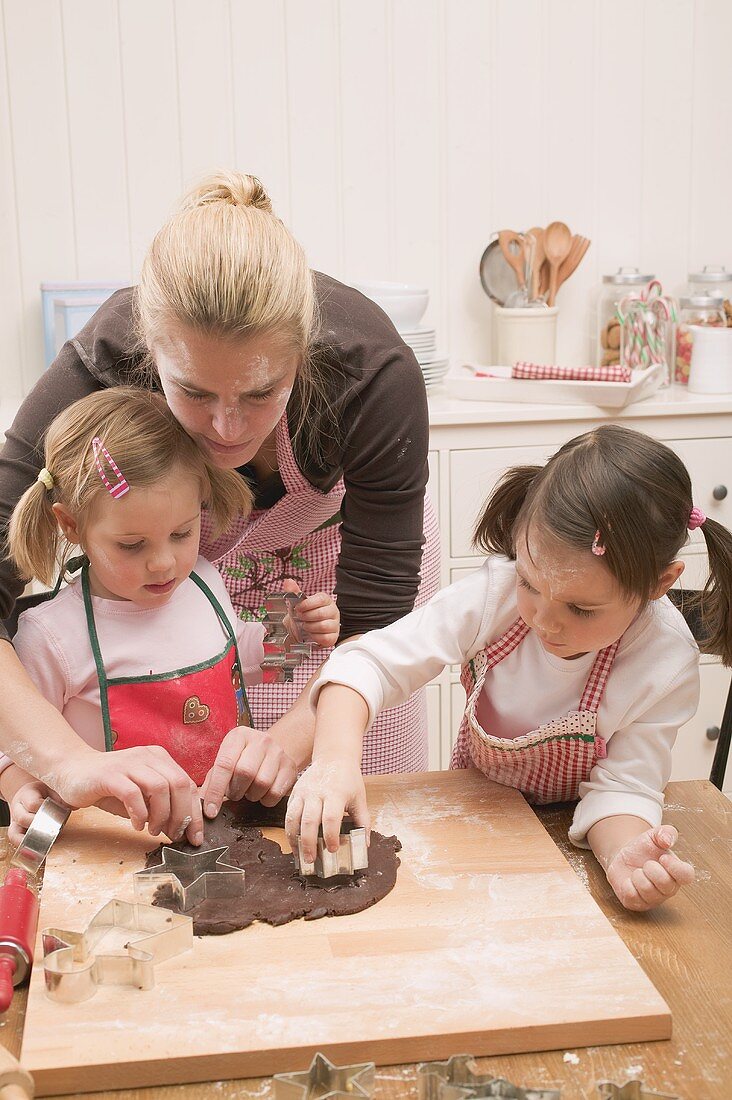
{"type": "Point", "coordinates": [73, 969]}
{"type": "Point", "coordinates": [457, 1079]}
{"type": "Point", "coordinates": [352, 854]}
{"type": "Point", "coordinates": [192, 876]}
{"type": "Point", "coordinates": [284, 649]}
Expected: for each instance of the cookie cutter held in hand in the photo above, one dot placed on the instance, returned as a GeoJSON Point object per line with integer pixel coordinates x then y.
{"type": "Point", "coordinates": [192, 876]}
{"type": "Point", "coordinates": [73, 971]}
{"type": "Point", "coordinates": [43, 830]}
{"type": "Point", "coordinates": [352, 854]}
{"type": "Point", "coordinates": [326, 1081]}
{"type": "Point", "coordinates": [283, 648]}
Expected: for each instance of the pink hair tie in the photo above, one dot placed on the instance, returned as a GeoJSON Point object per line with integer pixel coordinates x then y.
{"type": "Point", "coordinates": [597, 548]}
{"type": "Point", "coordinates": [118, 488]}
{"type": "Point", "coordinates": [696, 518]}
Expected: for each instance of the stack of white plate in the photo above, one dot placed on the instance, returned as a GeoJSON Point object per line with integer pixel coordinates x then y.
{"type": "Point", "coordinates": [422, 340]}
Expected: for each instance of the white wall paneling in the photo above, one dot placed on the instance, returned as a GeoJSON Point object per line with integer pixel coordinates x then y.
{"type": "Point", "coordinates": [394, 137]}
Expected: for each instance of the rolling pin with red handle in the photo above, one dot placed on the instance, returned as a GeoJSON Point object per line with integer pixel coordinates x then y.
{"type": "Point", "coordinates": [18, 926]}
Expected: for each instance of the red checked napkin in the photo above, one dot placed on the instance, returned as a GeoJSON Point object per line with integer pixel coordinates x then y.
{"type": "Point", "coordinates": [573, 374]}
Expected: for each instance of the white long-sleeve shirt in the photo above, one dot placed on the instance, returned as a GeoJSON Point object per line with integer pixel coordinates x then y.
{"type": "Point", "coordinates": [652, 690]}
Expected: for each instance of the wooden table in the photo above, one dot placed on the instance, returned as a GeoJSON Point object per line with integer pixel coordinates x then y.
{"type": "Point", "coordinates": [685, 948]}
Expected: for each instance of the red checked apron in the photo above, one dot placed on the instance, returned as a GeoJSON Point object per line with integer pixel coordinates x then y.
{"type": "Point", "coordinates": [549, 763]}
{"type": "Point", "coordinates": [299, 537]}
{"type": "Point", "coordinates": [187, 711]}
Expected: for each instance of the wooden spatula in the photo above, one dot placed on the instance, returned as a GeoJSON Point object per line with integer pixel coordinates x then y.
{"type": "Point", "coordinates": [507, 238]}
{"type": "Point", "coordinates": [538, 234]}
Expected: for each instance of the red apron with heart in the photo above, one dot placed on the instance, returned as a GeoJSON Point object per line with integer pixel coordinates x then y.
{"type": "Point", "coordinates": [187, 711]}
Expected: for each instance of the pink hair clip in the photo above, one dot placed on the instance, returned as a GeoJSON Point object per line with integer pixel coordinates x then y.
{"type": "Point", "coordinates": [696, 518]}
{"type": "Point", "coordinates": [597, 548]}
{"type": "Point", "coordinates": [120, 486]}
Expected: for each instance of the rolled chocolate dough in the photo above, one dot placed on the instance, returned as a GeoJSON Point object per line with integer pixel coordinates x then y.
{"type": "Point", "coordinates": [274, 892]}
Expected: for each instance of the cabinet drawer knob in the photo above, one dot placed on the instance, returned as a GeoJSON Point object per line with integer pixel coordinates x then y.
{"type": "Point", "coordinates": [719, 492]}
{"type": "Point", "coordinates": [712, 733]}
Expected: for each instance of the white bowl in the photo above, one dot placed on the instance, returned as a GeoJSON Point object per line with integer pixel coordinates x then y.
{"type": "Point", "coordinates": [405, 310]}
{"type": "Point", "coordinates": [388, 290]}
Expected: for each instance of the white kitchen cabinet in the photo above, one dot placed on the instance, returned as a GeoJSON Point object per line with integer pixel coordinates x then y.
{"type": "Point", "coordinates": [473, 443]}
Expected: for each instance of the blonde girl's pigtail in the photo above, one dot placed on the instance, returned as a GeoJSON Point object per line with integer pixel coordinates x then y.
{"type": "Point", "coordinates": [230, 498]}
{"type": "Point", "coordinates": [33, 533]}
{"type": "Point", "coordinates": [716, 602]}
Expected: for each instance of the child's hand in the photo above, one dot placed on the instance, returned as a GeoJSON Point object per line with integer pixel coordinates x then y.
{"type": "Point", "coordinates": [144, 783]}
{"type": "Point", "coordinates": [249, 763]}
{"type": "Point", "coordinates": [645, 873]}
{"type": "Point", "coordinates": [316, 616]}
{"type": "Point", "coordinates": [23, 805]}
{"type": "Point", "coordinates": [323, 794]}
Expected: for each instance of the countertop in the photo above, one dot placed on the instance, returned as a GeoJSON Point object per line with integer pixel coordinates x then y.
{"type": "Point", "coordinates": [685, 948]}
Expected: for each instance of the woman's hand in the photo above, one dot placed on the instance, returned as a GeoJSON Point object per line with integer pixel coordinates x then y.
{"type": "Point", "coordinates": [645, 872]}
{"type": "Point", "coordinates": [23, 806]}
{"type": "Point", "coordinates": [316, 616]}
{"type": "Point", "coordinates": [323, 794]}
{"type": "Point", "coordinates": [249, 764]}
{"type": "Point", "coordinates": [142, 783]}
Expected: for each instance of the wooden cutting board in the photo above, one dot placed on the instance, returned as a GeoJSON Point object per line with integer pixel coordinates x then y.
{"type": "Point", "coordinates": [489, 944]}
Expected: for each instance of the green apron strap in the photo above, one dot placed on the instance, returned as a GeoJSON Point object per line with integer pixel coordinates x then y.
{"type": "Point", "coordinates": [101, 674]}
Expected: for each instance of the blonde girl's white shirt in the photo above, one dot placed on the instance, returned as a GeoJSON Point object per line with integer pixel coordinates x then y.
{"type": "Point", "coordinates": [652, 690]}
{"type": "Point", "coordinates": [53, 644]}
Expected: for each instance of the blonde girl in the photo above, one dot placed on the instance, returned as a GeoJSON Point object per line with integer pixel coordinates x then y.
{"type": "Point", "coordinates": [142, 653]}
{"type": "Point", "coordinates": [577, 668]}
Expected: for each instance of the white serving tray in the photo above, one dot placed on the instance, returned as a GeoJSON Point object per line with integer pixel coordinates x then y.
{"type": "Point", "coordinates": [611, 395]}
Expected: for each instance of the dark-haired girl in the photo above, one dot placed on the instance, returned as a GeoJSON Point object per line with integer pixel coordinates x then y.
{"type": "Point", "coordinates": [578, 670]}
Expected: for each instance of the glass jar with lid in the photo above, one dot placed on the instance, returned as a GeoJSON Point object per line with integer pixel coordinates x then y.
{"type": "Point", "coordinates": [714, 281]}
{"type": "Point", "coordinates": [698, 309]}
{"type": "Point", "coordinates": [614, 288]}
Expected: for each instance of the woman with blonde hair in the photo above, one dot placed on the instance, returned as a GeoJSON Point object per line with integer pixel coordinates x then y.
{"type": "Point", "coordinates": [303, 386]}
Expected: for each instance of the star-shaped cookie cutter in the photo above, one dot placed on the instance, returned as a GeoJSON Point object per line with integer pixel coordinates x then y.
{"type": "Point", "coordinates": [284, 650]}
{"type": "Point", "coordinates": [326, 1081]}
{"type": "Point", "coordinates": [631, 1090]}
{"type": "Point", "coordinates": [73, 970]}
{"type": "Point", "coordinates": [352, 854]}
{"type": "Point", "coordinates": [192, 876]}
{"type": "Point", "coordinates": [457, 1079]}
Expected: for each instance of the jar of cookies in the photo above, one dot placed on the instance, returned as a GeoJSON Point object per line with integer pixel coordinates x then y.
{"type": "Point", "coordinates": [706, 310]}
{"type": "Point", "coordinates": [613, 289]}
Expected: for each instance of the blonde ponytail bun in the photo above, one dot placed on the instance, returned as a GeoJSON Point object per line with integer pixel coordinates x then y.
{"type": "Point", "coordinates": [232, 188]}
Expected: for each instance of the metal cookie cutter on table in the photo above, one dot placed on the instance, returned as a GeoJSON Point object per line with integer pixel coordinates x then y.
{"type": "Point", "coordinates": [456, 1079]}
{"type": "Point", "coordinates": [192, 876]}
{"type": "Point", "coordinates": [283, 648]}
{"type": "Point", "coordinates": [73, 971]}
{"type": "Point", "coordinates": [352, 854]}
{"type": "Point", "coordinates": [43, 830]}
{"type": "Point", "coordinates": [631, 1090]}
{"type": "Point", "coordinates": [326, 1081]}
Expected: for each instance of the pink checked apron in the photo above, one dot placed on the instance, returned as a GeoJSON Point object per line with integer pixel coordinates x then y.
{"type": "Point", "coordinates": [549, 763]}
{"type": "Point", "coordinates": [187, 711]}
{"type": "Point", "coordinates": [299, 537]}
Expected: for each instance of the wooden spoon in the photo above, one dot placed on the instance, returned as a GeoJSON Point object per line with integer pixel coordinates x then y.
{"type": "Point", "coordinates": [538, 234]}
{"type": "Point", "coordinates": [573, 260]}
{"type": "Point", "coordinates": [506, 238]}
{"type": "Point", "coordinates": [557, 243]}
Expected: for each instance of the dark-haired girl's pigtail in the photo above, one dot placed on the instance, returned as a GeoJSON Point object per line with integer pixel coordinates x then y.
{"type": "Point", "coordinates": [494, 532]}
{"type": "Point", "coordinates": [716, 604]}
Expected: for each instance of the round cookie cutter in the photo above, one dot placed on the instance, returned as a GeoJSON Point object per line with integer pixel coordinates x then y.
{"type": "Point", "coordinates": [43, 830]}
